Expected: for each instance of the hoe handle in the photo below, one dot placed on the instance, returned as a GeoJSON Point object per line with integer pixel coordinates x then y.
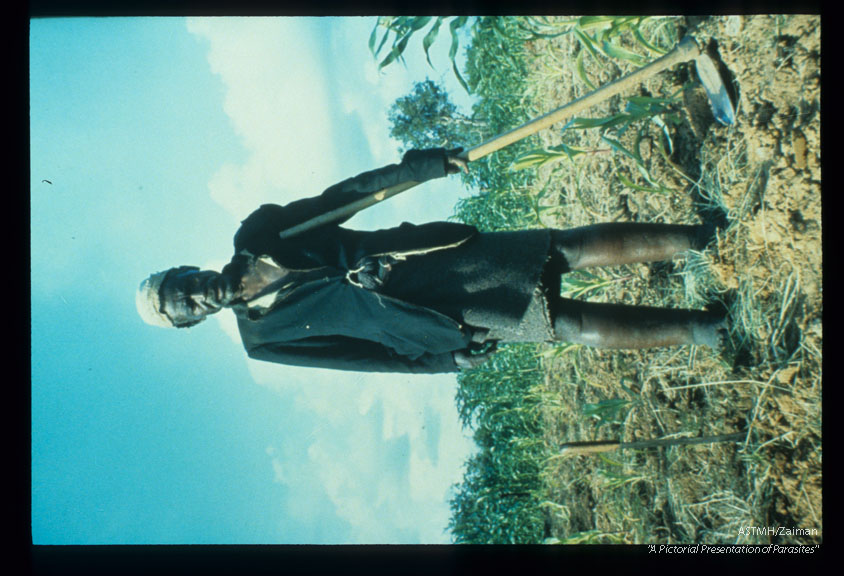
{"type": "Point", "coordinates": [685, 51]}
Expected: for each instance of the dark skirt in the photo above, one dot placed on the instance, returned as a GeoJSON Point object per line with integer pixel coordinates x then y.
{"type": "Point", "coordinates": [490, 283]}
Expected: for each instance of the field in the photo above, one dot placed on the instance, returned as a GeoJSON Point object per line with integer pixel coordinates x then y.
{"type": "Point", "coordinates": [656, 155]}
{"type": "Point", "coordinates": [763, 174]}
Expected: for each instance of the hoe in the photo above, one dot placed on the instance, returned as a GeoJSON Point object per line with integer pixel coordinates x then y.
{"type": "Point", "coordinates": [685, 51]}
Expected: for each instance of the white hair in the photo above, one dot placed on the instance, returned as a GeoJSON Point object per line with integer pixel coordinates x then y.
{"type": "Point", "coordinates": [148, 301]}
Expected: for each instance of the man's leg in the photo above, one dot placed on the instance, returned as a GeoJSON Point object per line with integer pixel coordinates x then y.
{"type": "Point", "coordinates": [620, 326]}
{"type": "Point", "coordinates": [616, 243]}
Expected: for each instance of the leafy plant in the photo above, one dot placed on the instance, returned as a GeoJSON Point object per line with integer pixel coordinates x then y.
{"type": "Point", "coordinates": [544, 156]}
{"type": "Point", "coordinates": [402, 29]}
{"type": "Point", "coordinates": [614, 480]}
{"type": "Point", "coordinates": [499, 499]}
{"type": "Point", "coordinates": [426, 118]}
{"type": "Point", "coordinates": [638, 109]}
{"type": "Point", "coordinates": [579, 283]}
{"type": "Point", "coordinates": [610, 411]}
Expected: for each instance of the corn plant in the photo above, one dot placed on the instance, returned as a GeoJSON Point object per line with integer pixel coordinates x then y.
{"type": "Point", "coordinates": [640, 112]}
{"type": "Point", "coordinates": [403, 28]}
{"type": "Point", "coordinates": [612, 411]}
{"type": "Point", "coordinates": [499, 499]}
{"type": "Point", "coordinates": [539, 157]}
{"type": "Point", "coordinates": [600, 38]}
{"type": "Point", "coordinates": [579, 283]}
{"type": "Point", "coordinates": [496, 72]}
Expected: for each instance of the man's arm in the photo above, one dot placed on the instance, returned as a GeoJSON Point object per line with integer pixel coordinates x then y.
{"type": "Point", "coordinates": [416, 166]}
{"type": "Point", "coordinates": [261, 228]}
{"type": "Point", "coordinates": [350, 354]}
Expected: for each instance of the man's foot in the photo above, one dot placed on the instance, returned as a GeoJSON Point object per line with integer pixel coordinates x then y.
{"type": "Point", "coordinates": [713, 333]}
{"type": "Point", "coordinates": [704, 235]}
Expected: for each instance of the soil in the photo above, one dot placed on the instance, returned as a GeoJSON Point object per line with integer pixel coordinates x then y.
{"type": "Point", "coordinates": [760, 181]}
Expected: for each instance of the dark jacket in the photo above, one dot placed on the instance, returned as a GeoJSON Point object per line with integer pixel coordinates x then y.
{"type": "Point", "coordinates": [328, 321]}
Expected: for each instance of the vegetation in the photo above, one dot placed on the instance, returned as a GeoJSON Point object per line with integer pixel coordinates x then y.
{"type": "Point", "coordinates": [499, 501]}
{"type": "Point", "coordinates": [642, 157]}
{"type": "Point", "coordinates": [426, 118]}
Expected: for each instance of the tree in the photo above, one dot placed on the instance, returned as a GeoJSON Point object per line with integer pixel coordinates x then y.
{"type": "Point", "coordinates": [426, 118]}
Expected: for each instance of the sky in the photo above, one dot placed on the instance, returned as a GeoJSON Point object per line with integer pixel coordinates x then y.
{"type": "Point", "coordinates": [151, 139]}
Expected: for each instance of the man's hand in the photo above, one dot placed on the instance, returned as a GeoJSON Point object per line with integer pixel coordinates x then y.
{"type": "Point", "coordinates": [456, 164]}
{"type": "Point", "coordinates": [453, 162]}
{"type": "Point", "coordinates": [222, 289]}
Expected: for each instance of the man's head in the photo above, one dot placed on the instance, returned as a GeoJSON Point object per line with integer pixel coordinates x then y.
{"type": "Point", "coordinates": [182, 297]}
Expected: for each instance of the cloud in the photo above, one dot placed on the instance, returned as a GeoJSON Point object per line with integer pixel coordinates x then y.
{"type": "Point", "coordinates": [278, 472]}
{"type": "Point", "coordinates": [370, 454]}
{"type": "Point", "coordinates": [373, 454]}
{"type": "Point", "coordinates": [277, 99]}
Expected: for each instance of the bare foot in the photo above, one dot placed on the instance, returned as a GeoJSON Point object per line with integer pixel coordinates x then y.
{"type": "Point", "coordinates": [712, 333]}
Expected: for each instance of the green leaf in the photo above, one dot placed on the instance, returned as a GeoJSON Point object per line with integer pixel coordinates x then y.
{"type": "Point", "coordinates": [541, 156]}
{"type": "Point", "coordinates": [396, 52]}
{"type": "Point", "coordinates": [595, 22]}
{"type": "Point", "coordinates": [383, 41]}
{"type": "Point", "coordinates": [399, 24]}
{"type": "Point", "coordinates": [588, 43]}
{"type": "Point", "coordinates": [640, 165]}
{"type": "Point", "coordinates": [637, 34]}
{"type": "Point", "coordinates": [455, 42]}
{"type": "Point", "coordinates": [386, 24]}
{"type": "Point", "coordinates": [429, 38]}
{"type": "Point", "coordinates": [531, 159]}
{"type": "Point", "coordinates": [581, 71]}
{"type": "Point", "coordinates": [633, 186]}
{"type": "Point", "coordinates": [538, 27]}
{"type": "Point", "coordinates": [460, 77]}
{"type": "Point", "coordinates": [569, 151]}
{"type": "Point", "coordinates": [621, 24]}
{"type": "Point", "coordinates": [652, 101]}
{"type": "Point", "coordinates": [606, 122]}
{"type": "Point", "coordinates": [623, 54]}
{"type": "Point", "coordinates": [419, 22]}
{"type": "Point", "coordinates": [374, 37]}
{"type": "Point", "coordinates": [580, 283]}
{"type": "Point", "coordinates": [619, 147]}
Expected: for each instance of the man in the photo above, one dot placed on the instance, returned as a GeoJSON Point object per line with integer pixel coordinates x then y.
{"type": "Point", "coordinates": [431, 298]}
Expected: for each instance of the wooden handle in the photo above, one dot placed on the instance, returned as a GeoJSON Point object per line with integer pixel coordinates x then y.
{"type": "Point", "coordinates": [578, 448]}
{"type": "Point", "coordinates": [685, 51]}
{"type": "Point", "coordinates": [347, 210]}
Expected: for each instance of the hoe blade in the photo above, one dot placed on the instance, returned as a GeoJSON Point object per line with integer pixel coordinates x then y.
{"type": "Point", "coordinates": [716, 91]}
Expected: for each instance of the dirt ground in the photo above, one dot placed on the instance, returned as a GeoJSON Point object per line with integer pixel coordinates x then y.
{"type": "Point", "coordinates": [760, 180]}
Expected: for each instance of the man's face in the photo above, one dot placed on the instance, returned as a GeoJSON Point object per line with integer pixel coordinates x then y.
{"type": "Point", "coordinates": [189, 294]}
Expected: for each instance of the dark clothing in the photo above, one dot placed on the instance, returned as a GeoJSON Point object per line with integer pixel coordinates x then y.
{"type": "Point", "coordinates": [341, 248]}
{"type": "Point", "coordinates": [445, 287]}
{"type": "Point", "coordinates": [330, 323]}
{"type": "Point", "coordinates": [490, 282]}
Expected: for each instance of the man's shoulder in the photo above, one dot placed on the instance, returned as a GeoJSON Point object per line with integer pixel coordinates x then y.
{"type": "Point", "coordinates": [264, 210]}
{"type": "Point", "coordinates": [255, 230]}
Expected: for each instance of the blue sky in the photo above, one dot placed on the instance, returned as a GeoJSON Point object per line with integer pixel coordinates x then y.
{"type": "Point", "coordinates": [158, 136]}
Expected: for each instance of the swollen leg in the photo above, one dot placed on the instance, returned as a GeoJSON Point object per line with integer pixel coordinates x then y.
{"type": "Point", "coordinates": [616, 243]}
{"type": "Point", "coordinates": [619, 326]}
